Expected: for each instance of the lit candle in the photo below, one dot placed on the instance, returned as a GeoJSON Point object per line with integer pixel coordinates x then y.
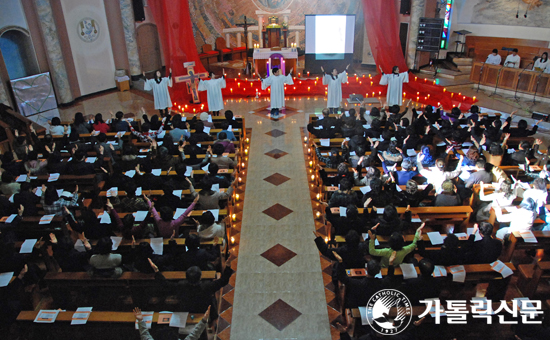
{"type": "Point", "coordinates": [474, 97]}
{"type": "Point", "coordinates": [232, 239]}
{"type": "Point", "coordinates": [317, 214]}
{"type": "Point", "coordinates": [234, 217]}
{"type": "Point", "coordinates": [236, 197]}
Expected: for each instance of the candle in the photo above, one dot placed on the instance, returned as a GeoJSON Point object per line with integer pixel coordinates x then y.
{"type": "Point", "coordinates": [232, 239]}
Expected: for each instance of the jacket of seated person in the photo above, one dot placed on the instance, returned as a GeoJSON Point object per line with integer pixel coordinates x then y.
{"type": "Point", "coordinates": [194, 294]}
{"type": "Point", "coordinates": [359, 291]}
{"type": "Point", "coordinates": [423, 287]}
{"type": "Point", "coordinates": [352, 253]}
{"type": "Point", "coordinates": [449, 254]}
{"type": "Point", "coordinates": [487, 250]}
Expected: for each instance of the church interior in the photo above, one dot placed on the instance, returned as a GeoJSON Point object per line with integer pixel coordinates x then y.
{"type": "Point", "coordinates": [274, 169]}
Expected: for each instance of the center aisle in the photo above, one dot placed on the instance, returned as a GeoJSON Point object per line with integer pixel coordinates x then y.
{"type": "Point", "coordinates": [279, 291]}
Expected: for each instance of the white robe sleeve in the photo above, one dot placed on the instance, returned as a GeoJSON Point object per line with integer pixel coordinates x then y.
{"type": "Point", "coordinates": [148, 85]}
{"type": "Point", "coordinates": [222, 82]}
{"type": "Point", "coordinates": [202, 85]}
{"type": "Point", "coordinates": [266, 82]}
{"type": "Point", "coordinates": [288, 80]}
{"type": "Point", "coordinates": [168, 81]}
{"type": "Point", "coordinates": [405, 76]}
{"type": "Point", "coordinates": [343, 77]}
{"type": "Point", "coordinates": [384, 79]}
{"type": "Point", "coordinates": [325, 79]}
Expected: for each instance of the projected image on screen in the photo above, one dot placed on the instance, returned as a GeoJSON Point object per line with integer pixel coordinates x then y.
{"type": "Point", "coordinates": [329, 37]}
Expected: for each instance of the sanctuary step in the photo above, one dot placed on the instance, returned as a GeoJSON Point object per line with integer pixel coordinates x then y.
{"type": "Point", "coordinates": [449, 74]}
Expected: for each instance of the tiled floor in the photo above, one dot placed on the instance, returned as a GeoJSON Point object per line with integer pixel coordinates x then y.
{"type": "Point", "coordinates": [282, 287]}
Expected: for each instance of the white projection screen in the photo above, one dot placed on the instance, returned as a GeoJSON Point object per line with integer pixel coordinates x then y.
{"type": "Point", "coordinates": [329, 37]}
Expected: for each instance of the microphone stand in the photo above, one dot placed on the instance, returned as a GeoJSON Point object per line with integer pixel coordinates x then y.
{"type": "Point", "coordinates": [480, 73]}
{"type": "Point", "coordinates": [517, 83]}
{"type": "Point", "coordinates": [498, 78]}
{"type": "Point", "coordinates": [537, 87]}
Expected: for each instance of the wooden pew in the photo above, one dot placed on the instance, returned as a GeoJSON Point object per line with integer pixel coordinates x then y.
{"type": "Point", "coordinates": [28, 227]}
{"type": "Point", "coordinates": [515, 242]}
{"type": "Point", "coordinates": [110, 324]}
{"type": "Point", "coordinates": [80, 286]}
{"type": "Point", "coordinates": [530, 276]}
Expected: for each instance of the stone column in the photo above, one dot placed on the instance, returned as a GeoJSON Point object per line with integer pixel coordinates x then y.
{"type": "Point", "coordinates": [417, 11]}
{"type": "Point", "coordinates": [250, 40]}
{"type": "Point", "coordinates": [227, 37]}
{"type": "Point", "coordinates": [238, 39]}
{"type": "Point", "coordinates": [3, 94]}
{"type": "Point", "coordinates": [297, 38]}
{"type": "Point", "coordinates": [285, 19]}
{"type": "Point", "coordinates": [53, 51]}
{"type": "Point", "coordinates": [129, 25]}
{"type": "Point", "coordinates": [260, 26]}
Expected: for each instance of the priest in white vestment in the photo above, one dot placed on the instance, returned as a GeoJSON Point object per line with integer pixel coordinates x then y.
{"type": "Point", "coordinates": [513, 59]}
{"type": "Point", "coordinates": [334, 82]}
{"type": "Point", "coordinates": [159, 85]}
{"type": "Point", "coordinates": [213, 88]}
{"type": "Point", "coordinates": [277, 83]}
{"type": "Point", "coordinates": [395, 82]}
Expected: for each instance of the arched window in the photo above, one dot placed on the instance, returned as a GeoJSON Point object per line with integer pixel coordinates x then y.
{"type": "Point", "coordinates": [18, 52]}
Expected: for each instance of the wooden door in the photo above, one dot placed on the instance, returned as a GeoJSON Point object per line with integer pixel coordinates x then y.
{"type": "Point", "coordinates": [149, 48]}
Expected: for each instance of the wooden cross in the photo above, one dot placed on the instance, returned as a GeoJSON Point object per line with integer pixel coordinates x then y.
{"type": "Point", "coordinates": [192, 80]}
{"type": "Point", "coordinates": [245, 25]}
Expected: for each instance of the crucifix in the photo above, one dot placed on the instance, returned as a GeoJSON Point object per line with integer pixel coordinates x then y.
{"type": "Point", "coordinates": [191, 80]}
{"type": "Point", "coordinates": [245, 25]}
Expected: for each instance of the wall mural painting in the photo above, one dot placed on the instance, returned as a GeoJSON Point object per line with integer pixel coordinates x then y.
{"type": "Point", "coordinates": [531, 13]}
{"type": "Point", "coordinates": [210, 17]}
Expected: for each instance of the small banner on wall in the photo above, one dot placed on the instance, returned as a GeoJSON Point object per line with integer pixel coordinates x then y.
{"type": "Point", "coordinates": [34, 94]}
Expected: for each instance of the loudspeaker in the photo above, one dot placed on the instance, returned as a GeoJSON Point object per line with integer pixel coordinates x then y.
{"type": "Point", "coordinates": [405, 7]}
{"type": "Point", "coordinates": [539, 115]}
{"type": "Point", "coordinates": [139, 11]}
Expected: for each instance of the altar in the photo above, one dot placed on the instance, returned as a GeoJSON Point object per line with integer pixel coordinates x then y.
{"type": "Point", "coordinates": [267, 58]}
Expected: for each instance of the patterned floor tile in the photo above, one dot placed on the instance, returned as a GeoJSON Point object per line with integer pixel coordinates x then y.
{"type": "Point", "coordinates": [277, 211]}
{"type": "Point", "coordinates": [278, 255]}
{"type": "Point", "coordinates": [276, 179]}
{"type": "Point", "coordinates": [280, 314]}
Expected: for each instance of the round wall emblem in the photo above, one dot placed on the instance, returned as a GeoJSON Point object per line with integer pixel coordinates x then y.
{"type": "Point", "coordinates": [88, 30]}
{"type": "Point", "coordinates": [389, 311]}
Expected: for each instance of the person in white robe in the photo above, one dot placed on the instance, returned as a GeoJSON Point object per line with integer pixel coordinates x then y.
{"type": "Point", "coordinates": [493, 58]}
{"type": "Point", "coordinates": [513, 59]}
{"type": "Point", "coordinates": [159, 85]}
{"type": "Point", "coordinates": [334, 82]}
{"type": "Point", "coordinates": [213, 88]}
{"type": "Point", "coordinates": [395, 82]}
{"type": "Point", "coordinates": [542, 64]}
{"type": "Point", "coordinates": [277, 83]}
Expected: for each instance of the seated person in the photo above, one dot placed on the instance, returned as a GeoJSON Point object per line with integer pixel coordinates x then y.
{"type": "Point", "coordinates": [104, 262]}
{"type": "Point", "coordinates": [448, 196]}
{"type": "Point", "coordinates": [493, 58]}
{"type": "Point", "coordinates": [224, 162]}
{"type": "Point", "coordinates": [208, 198]}
{"type": "Point", "coordinates": [488, 249]}
{"type": "Point", "coordinates": [397, 246]}
{"type": "Point", "coordinates": [425, 286]}
{"type": "Point", "coordinates": [208, 228]}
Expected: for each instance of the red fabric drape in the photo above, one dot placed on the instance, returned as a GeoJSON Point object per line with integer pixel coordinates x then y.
{"type": "Point", "coordinates": [383, 32]}
{"type": "Point", "coordinates": [382, 26]}
{"type": "Point", "coordinates": [176, 35]}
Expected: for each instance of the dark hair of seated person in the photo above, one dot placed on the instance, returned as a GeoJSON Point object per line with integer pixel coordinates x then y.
{"type": "Point", "coordinates": [390, 213]}
{"type": "Point", "coordinates": [451, 241]}
{"type": "Point", "coordinates": [166, 214]}
{"type": "Point", "coordinates": [345, 184]}
{"type": "Point", "coordinates": [485, 229]}
{"type": "Point", "coordinates": [25, 186]}
{"type": "Point", "coordinates": [193, 242]}
{"type": "Point", "coordinates": [7, 177]}
{"type": "Point", "coordinates": [146, 168]}
{"type": "Point", "coordinates": [102, 137]}
{"type": "Point", "coordinates": [79, 155]}
{"type": "Point", "coordinates": [396, 241]}
{"type": "Point", "coordinates": [228, 114]}
{"type": "Point", "coordinates": [193, 275]}
{"type": "Point", "coordinates": [224, 125]}
{"type": "Point", "coordinates": [50, 195]}
{"type": "Point", "coordinates": [373, 267]}
{"type": "Point", "coordinates": [522, 124]}
{"type": "Point", "coordinates": [495, 149]}
{"type": "Point", "coordinates": [352, 239]}
{"type": "Point", "coordinates": [540, 184]}
{"type": "Point", "coordinates": [206, 185]}
{"type": "Point", "coordinates": [207, 218]}
{"type": "Point", "coordinates": [130, 189]}
{"type": "Point", "coordinates": [79, 118]}
{"type": "Point", "coordinates": [426, 267]}
{"type": "Point", "coordinates": [222, 136]}
{"type": "Point", "coordinates": [56, 121]}
{"type": "Point", "coordinates": [213, 169]}
{"type": "Point", "coordinates": [199, 127]}
{"type": "Point", "coordinates": [218, 149]}
{"type": "Point", "coordinates": [104, 245]}
{"type": "Point", "coordinates": [352, 212]}
{"type": "Point", "coordinates": [376, 186]}
{"type": "Point", "coordinates": [127, 225]}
